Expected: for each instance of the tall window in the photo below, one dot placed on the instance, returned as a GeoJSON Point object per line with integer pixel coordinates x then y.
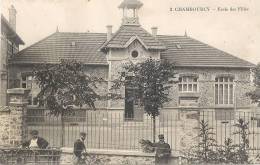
{"type": "Point", "coordinates": [188, 84]}
{"type": "Point", "coordinates": [224, 90]}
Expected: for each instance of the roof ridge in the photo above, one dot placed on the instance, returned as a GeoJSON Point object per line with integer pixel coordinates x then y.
{"type": "Point", "coordinates": [168, 35]}
{"type": "Point", "coordinates": [81, 32]}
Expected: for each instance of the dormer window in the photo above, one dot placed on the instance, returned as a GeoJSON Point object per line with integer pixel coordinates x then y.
{"type": "Point", "coordinates": [178, 46]}
{"type": "Point", "coordinates": [134, 53]}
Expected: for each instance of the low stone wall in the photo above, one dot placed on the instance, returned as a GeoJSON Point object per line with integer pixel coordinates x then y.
{"type": "Point", "coordinates": [117, 157]}
{"type": "Point", "coordinates": [12, 126]}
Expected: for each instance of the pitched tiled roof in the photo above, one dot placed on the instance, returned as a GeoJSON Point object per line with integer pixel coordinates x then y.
{"type": "Point", "coordinates": [127, 32]}
{"type": "Point", "coordinates": [182, 50]}
{"type": "Point", "coordinates": [79, 46]}
{"type": "Point", "coordinates": [186, 51]}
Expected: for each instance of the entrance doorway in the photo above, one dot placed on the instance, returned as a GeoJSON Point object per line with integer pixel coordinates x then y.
{"type": "Point", "coordinates": [133, 108]}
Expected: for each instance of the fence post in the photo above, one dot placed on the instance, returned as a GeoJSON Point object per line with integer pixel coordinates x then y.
{"type": "Point", "coordinates": [186, 129]}
{"type": "Point", "coordinates": [17, 121]}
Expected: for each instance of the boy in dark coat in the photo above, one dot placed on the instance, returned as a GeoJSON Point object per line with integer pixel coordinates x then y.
{"type": "Point", "coordinates": [35, 141]}
{"type": "Point", "coordinates": [163, 151]}
{"type": "Point", "coordinates": [79, 148]}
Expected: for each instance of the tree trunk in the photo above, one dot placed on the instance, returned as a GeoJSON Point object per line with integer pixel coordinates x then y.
{"type": "Point", "coordinates": [154, 128]}
{"type": "Point", "coordinates": [62, 130]}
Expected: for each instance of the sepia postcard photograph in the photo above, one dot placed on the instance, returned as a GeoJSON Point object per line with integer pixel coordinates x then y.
{"type": "Point", "coordinates": [130, 82]}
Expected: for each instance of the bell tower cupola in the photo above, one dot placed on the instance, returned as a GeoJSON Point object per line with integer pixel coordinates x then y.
{"type": "Point", "coordinates": [130, 11]}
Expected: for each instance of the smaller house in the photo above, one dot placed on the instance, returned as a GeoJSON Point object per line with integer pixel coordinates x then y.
{"type": "Point", "coordinates": [10, 42]}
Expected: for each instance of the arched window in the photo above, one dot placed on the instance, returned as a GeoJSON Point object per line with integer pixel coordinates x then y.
{"type": "Point", "coordinates": [224, 90]}
{"type": "Point", "coordinates": [188, 84]}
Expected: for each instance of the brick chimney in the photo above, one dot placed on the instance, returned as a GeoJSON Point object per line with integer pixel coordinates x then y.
{"type": "Point", "coordinates": [154, 31]}
{"type": "Point", "coordinates": [12, 17]}
{"type": "Point", "coordinates": [109, 32]}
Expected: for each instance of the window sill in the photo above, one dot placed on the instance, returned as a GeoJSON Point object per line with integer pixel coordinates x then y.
{"type": "Point", "coordinates": [189, 94]}
{"type": "Point", "coordinates": [229, 106]}
{"type": "Point", "coordinates": [133, 120]}
{"type": "Point", "coordinates": [189, 106]}
{"type": "Point", "coordinates": [34, 107]}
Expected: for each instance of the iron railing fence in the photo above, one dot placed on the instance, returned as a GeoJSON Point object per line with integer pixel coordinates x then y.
{"type": "Point", "coordinates": [111, 130]}
{"type": "Point", "coordinates": [21, 156]}
{"type": "Point", "coordinates": [105, 129]}
{"type": "Point", "coordinates": [223, 124]}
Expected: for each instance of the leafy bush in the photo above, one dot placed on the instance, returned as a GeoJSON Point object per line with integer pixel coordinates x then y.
{"type": "Point", "coordinates": [207, 150]}
{"type": "Point", "coordinates": [204, 151]}
{"type": "Point", "coordinates": [243, 146]}
{"type": "Point", "coordinates": [147, 146]}
{"type": "Point", "coordinates": [227, 153]}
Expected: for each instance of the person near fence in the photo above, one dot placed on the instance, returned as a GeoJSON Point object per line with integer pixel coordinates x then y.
{"type": "Point", "coordinates": [162, 151]}
{"type": "Point", "coordinates": [36, 141]}
{"type": "Point", "coordinates": [79, 149]}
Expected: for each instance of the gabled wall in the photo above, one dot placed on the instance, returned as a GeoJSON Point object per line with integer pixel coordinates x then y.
{"type": "Point", "coordinates": [118, 57]}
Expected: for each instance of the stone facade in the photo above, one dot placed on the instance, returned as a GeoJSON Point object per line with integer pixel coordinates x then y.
{"type": "Point", "coordinates": [206, 87]}
{"type": "Point", "coordinates": [206, 80]}
{"type": "Point", "coordinates": [206, 83]}
{"type": "Point", "coordinates": [13, 125]}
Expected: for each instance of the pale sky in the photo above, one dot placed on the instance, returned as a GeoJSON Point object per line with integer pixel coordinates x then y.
{"type": "Point", "coordinates": [236, 32]}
